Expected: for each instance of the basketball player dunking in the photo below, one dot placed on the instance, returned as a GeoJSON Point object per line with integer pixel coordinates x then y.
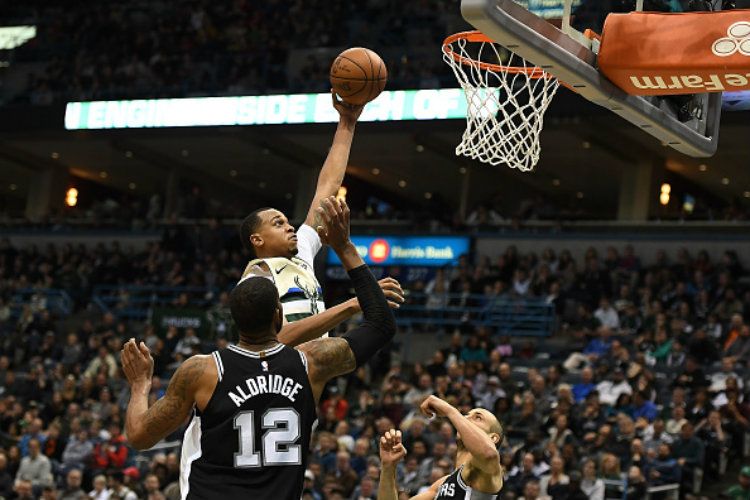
{"type": "Point", "coordinates": [478, 474]}
{"type": "Point", "coordinates": [254, 403]}
{"type": "Point", "coordinates": [287, 257]}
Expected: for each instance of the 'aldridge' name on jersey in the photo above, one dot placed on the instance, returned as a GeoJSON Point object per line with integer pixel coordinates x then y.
{"type": "Point", "coordinates": [253, 436]}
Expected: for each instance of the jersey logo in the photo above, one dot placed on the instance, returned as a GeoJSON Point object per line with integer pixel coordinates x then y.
{"type": "Point", "coordinates": [264, 365]}
{"type": "Point", "coordinates": [447, 490]}
{"type": "Point", "coordinates": [310, 293]}
{"type": "Point", "coordinates": [278, 271]}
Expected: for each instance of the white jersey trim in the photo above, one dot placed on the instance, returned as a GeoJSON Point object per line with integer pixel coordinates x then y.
{"type": "Point", "coordinates": [308, 244]}
{"type": "Point", "coordinates": [191, 451]}
{"type": "Point", "coordinates": [304, 360]}
{"type": "Point", "coordinates": [254, 354]}
{"type": "Point", "coordinates": [219, 364]}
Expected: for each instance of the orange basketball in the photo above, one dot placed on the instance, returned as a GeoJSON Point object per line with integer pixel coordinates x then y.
{"type": "Point", "coordinates": [358, 75]}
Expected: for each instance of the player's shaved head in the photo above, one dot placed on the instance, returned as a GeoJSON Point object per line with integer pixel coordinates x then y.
{"type": "Point", "coordinates": [255, 307]}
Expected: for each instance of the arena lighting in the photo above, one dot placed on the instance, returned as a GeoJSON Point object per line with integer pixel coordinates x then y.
{"type": "Point", "coordinates": [664, 196]}
{"type": "Point", "coordinates": [666, 188]}
{"type": "Point", "coordinates": [15, 36]}
{"type": "Point", "coordinates": [341, 196]}
{"type": "Point", "coordinates": [71, 197]}
{"type": "Point", "coordinates": [397, 105]}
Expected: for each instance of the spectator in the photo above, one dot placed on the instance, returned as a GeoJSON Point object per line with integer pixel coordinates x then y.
{"type": "Point", "coordinates": [6, 479]}
{"type": "Point", "coordinates": [689, 451]}
{"type": "Point", "coordinates": [741, 490]}
{"type": "Point", "coordinates": [35, 467]}
{"type": "Point", "coordinates": [590, 484]}
{"type": "Point", "coordinates": [643, 407]}
{"type": "Point", "coordinates": [73, 490]}
{"type": "Point", "coordinates": [663, 468]}
{"type": "Point", "coordinates": [556, 482]}
{"type": "Point", "coordinates": [100, 491]}
{"type": "Point", "coordinates": [607, 315]}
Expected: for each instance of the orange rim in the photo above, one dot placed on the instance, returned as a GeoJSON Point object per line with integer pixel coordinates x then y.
{"type": "Point", "coordinates": [533, 72]}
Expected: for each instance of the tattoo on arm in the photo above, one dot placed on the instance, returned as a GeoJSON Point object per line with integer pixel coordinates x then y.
{"type": "Point", "coordinates": [171, 410]}
{"type": "Point", "coordinates": [329, 358]}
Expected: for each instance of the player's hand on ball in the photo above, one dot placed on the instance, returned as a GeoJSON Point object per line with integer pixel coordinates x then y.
{"type": "Point", "coordinates": [433, 406]}
{"type": "Point", "coordinates": [334, 218]}
{"type": "Point", "coordinates": [349, 112]}
{"type": "Point", "coordinates": [137, 363]}
{"type": "Point", "coordinates": [391, 449]}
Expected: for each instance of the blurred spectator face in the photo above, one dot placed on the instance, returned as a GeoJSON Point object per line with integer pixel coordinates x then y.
{"type": "Point", "coordinates": [425, 381]}
{"type": "Point", "coordinates": [74, 479]}
{"type": "Point", "coordinates": [373, 472]}
{"type": "Point", "coordinates": [49, 494]}
{"type": "Point", "coordinates": [587, 374]}
{"type": "Point", "coordinates": [589, 469]}
{"type": "Point", "coordinates": [557, 464]}
{"type": "Point", "coordinates": [151, 484]}
{"type": "Point", "coordinates": [664, 451]}
{"type": "Point", "coordinates": [636, 448]}
{"type": "Point", "coordinates": [419, 449]}
{"type": "Point", "coordinates": [100, 483]}
{"type": "Point", "coordinates": [342, 461]}
{"type": "Point", "coordinates": [367, 487]}
{"type": "Point", "coordinates": [531, 491]}
{"type": "Point", "coordinates": [34, 448]}
{"type": "Point", "coordinates": [438, 449]}
{"type": "Point", "coordinates": [24, 489]}
{"type": "Point", "coordinates": [528, 462]}
{"type": "Point", "coordinates": [658, 426]}
{"type": "Point", "coordinates": [412, 464]}
{"type": "Point", "coordinates": [687, 431]}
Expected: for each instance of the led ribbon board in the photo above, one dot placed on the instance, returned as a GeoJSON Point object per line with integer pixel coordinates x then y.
{"type": "Point", "coordinates": [407, 250]}
{"type": "Point", "coordinates": [429, 104]}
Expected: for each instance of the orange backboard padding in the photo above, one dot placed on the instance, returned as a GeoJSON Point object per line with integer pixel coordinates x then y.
{"type": "Point", "coordinates": [647, 53]}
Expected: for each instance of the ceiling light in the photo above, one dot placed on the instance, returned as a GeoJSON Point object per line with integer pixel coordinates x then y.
{"type": "Point", "coordinates": [579, 195]}
{"type": "Point", "coordinates": [702, 167]}
{"type": "Point", "coordinates": [555, 182]}
{"type": "Point", "coordinates": [402, 183]}
{"type": "Point", "coordinates": [666, 188]}
{"type": "Point", "coordinates": [128, 154]}
{"type": "Point", "coordinates": [55, 155]}
{"type": "Point", "coordinates": [746, 194]}
{"type": "Point", "coordinates": [131, 185]}
{"type": "Point", "coordinates": [725, 181]}
{"type": "Point", "coordinates": [233, 173]}
{"type": "Point", "coordinates": [13, 187]}
{"type": "Point", "coordinates": [586, 145]}
{"type": "Point", "coordinates": [375, 171]}
{"type": "Point", "coordinates": [103, 174]}
{"type": "Point", "coordinates": [428, 196]}
{"type": "Point", "coordinates": [420, 148]}
{"type": "Point", "coordinates": [462, 170]}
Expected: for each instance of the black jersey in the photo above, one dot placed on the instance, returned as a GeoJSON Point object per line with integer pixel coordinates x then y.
{"type": "Point", "coordinates": [253, 437]}
{"type": "Point", "coordinates": [454, 488]}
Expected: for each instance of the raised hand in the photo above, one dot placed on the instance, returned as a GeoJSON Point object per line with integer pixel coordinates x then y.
{"type": "Point", "coordinates": [334, 216]}
{"type": "Point", "coordinates": [391, 448]}
{"type": "Point", "coordinates": [433, 406]}
{"type": "Point", "coordinates": [137, 363]}
{"type": "Point", "coordinates": [349, 113]}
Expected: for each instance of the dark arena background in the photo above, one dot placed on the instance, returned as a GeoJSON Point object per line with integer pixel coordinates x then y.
{"type": "Point", "coordinates": [598, 305]}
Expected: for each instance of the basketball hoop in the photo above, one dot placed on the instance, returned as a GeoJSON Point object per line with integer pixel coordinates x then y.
{"type": "Point", "coordinates": [506, 98]}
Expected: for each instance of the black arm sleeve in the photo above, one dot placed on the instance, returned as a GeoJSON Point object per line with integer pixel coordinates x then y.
{"type": "Point", "coordinates": [379, 325]}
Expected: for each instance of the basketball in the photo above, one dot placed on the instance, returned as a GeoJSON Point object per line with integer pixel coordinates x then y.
{"type": "Point", "coordinates": [358, 75]}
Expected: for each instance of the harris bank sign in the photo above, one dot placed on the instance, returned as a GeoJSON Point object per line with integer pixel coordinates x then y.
{"type": "Point", "coordinates": [408, 250]}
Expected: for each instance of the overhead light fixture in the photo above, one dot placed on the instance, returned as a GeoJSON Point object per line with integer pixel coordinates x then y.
{"type": "Point", "coordinates": [103, 174]}
{"type": "Point", "coordinates": [462, 170]}
{"type": "Point", "coordinates": [666, 189]}
{"type": "Point", "coordinates": [132, 186]}
{"type": "Point", "coordinates": [420, 148]}
{"type": "Point", "coordinates": [579, 195]}
{"type": "Point", "coordinates": [55, 155]}
{"type": "Point", "coordinates": [376, 171]}
{"type": "Point", "coordinates": [402, 183]}
{"type": "Point", "coordinates": [586, 145]}
{"type": "Point", "coordinates": [233, 173]}
{"type": "Point", "coordinates": [428, 196]}
{"type": "Point", "coordinates": [128, 154]}
{"type": "Point", "coordinates": [725, 181]}
{"type": "Point", "coordinates": [702, 167]}
{"type": "Point", "coordinates": [71, 197]}
{"type": "Point", "coordinates": [746, 194]}
{"type": "Point", "coordinates": [13, 187]}
{"type": "Point", "coordinates": [555, 182]}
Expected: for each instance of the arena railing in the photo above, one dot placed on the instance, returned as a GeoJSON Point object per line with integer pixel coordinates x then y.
{"type": "Point", "coordinates": [52, 299]}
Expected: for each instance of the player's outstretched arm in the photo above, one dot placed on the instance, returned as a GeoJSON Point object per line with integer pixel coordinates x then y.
{"type": "Point", "coordinates": [484, 455]}
{"type": "Point", "coordinates": [392, 452]}
{"type": "Point", "coordinates": [328, 358]}
{"type": "Point", "coordinates": [144, 426]}
{"type": "Point", "coordinates": [332, 174]}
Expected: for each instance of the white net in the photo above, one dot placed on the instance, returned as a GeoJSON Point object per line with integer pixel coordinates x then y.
{"type": "Point", "coordinates": [506, 100]}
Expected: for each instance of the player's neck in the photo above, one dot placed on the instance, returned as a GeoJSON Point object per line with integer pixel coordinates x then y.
{"type": "Point", "coordinates": [259, 344]}
{"type": "Point", "coordinates": [462, 458]}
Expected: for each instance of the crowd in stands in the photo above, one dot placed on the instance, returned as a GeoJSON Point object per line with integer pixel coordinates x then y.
{"type": "Point", "coordinates": [646, 384]}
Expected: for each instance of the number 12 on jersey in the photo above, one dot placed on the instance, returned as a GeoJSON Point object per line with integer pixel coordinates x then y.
{"type": "Point", "coordinates": [279, 440]}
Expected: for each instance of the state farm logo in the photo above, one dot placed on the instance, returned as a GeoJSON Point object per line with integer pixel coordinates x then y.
{"type": "Point", "coordinates": [379, 251]}
{"type": "Point", "coordinates": [737, 40]}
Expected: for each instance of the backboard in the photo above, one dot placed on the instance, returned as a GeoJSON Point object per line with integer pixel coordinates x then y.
{"type": "Point", "coordinates": [568, 55]}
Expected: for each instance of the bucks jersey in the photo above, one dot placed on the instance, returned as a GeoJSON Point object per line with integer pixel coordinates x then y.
{"type": "Point", "coordinates": [252, 438]}
{"type": "Point", "coordinates": [299, 290]}
{"type": "Point", "coordinates": [454, 487]}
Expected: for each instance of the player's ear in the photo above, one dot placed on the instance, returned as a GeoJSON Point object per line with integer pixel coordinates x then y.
{"type": "Point", "coordinates": [495, 437]}
{"type": "Point", "coordinates": [256, 240]}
